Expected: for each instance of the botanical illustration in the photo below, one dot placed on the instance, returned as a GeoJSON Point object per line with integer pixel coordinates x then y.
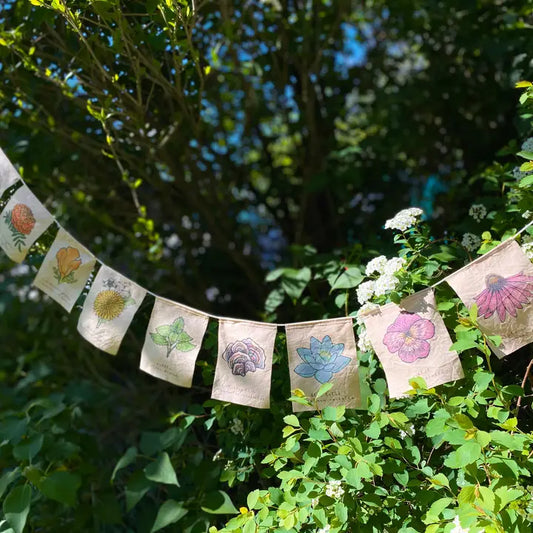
{"type": "Point", "coordinates": [244, 356]}
{"type": "Point", "coordinates": [68, 261]}
{"type": "Point", "coordinates": [20, 221]}
{"type": "Point", "coordinates": [504, 295]}
{"type": "Point", "coordinates": [111, 302]}
{"type": "Point", "coordinates": [173, 337]}
{"type": "Point", "coordinates": [408, 335]}
{"type": "Point", "coordinates": [321, 359]}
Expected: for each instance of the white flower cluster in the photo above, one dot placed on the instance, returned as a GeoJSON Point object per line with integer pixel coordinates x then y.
{"type": "Point", "coordinates": [471, 242]}
{"type": "Point", "coordinates": [365, 308]}
{"type": "Point", "coordinates": [408, 432]}
{"type": "Point", "coordinates": [527, 145]}
{"type": "Point", "coordinates": [229, 465]}
{"type": "Point", "coordinates": [394, 265]}
{"type": "Point", "coordinates": [527, 248]}
{"type": "Point", "coordinates": [376, 265]}
{"type": "Point", "coordinates": [478, 212]}
{"type": "Point", "coordinates": [527, 214]}
{"type": "Point", "coordinates": [237, 427]}
{"type": "Point", "coordinates": [385, 283]}
{"type": "Point", "coordinates": [404, 219]}
{"type": "Point", "coordinates": [334, 489]}
{"type": "Point", "coordinates": [365, 291]}
{"type": "Point", "coordinates": [325, 529]}
{"type": "Point", "coordinates": [363, 342]}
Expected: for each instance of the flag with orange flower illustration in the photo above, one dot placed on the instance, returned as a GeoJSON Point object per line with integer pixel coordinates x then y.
{"type": "Point", "coordinates": [65, 270]}
{"type": "Point", "coordinates": [500, 283]}
{"type": "Point", "coordinates": [244, 364]}
{"type": "Point", "coordinates": [8, 174]}
{"type": "Point", "coordinates": [23, 220]}
{"type": "Point", "coordinates": [324, 352]}
{"type": "Point", "coordinates": [173, 341]}
{"type": "Point", "coordinates": [109, 309]}
{"type": "Point", "coordinates": [411, 340]}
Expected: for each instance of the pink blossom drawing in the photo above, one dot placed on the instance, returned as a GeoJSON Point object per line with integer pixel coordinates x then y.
{"type": "Point", "coordinates": [408, 336]}
{"type": "Point", "coordinates": [504, 295]}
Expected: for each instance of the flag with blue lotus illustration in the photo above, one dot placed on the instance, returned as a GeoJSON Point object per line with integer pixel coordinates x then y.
{"type": "Point", "coordinates": [324, 352]}
{"type": "Point", "coordinates": [500, 284]}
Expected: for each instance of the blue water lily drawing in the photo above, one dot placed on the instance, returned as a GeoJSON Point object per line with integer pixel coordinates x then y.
{"type": "Point", "coordinates": [321, 360]}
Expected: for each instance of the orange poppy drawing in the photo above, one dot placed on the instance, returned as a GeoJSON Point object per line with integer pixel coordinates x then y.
{"type": "Point", "coordinates": [68, 261]}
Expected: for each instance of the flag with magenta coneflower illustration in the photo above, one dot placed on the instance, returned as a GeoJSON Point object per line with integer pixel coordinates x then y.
{"type": "Point", "coordinates": [500, 283]}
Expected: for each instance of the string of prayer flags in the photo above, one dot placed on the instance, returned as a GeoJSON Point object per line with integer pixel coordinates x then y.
{"type": "Point", "coordinates": [244, 362]}
{"type": "Point", "coordinates": [411, 341]}
{"type": "Point", "coordinates": [109, 309]}
{"type": "Point", "coordinates": [173, 341]}
{"type": "Point", "coordinates": [65, 270]}
{"type": "Point", "coordinates": [321, 352]}
{"type": "Point", "coordinates": [8, 174]}
{"type": "Point", "coordinates": [23, 220]}
{"type": "Point", "coordinates": [500, 283]}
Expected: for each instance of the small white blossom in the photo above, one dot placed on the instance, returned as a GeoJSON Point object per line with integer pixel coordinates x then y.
{"type": "Point", "coordinates": [324, 529]}
{"type": "Point", "coordinates": [314, 502]}
{"type": "Point", "coordinates": [478, 212]}
{"type": "Point", "coordinates": [410, 431]}
{"type": "Point", "coordinates": [527, 248]}
{"type": "Point", "coordinates": [363, 342]}
{"type": "Point", "coordinates": [527, 238]}
{"type": "Point", "coordinates": [365, 308]}
{"type": "Point", "coordinates": [334, 489]}
{"type": "Point", "coordinates": [471, 242]}
{"type": "Point", "coordinates": [237, 427]}
{"type": "Point", "coordinates": [365, 291]}
{"type": "Point", "coordinates": [385, 283]}
{"type": "Point", "coordinates": [394, 265]}
{"type": "Point", "coordinates": [527, 145]}
{"type": "Point", "coordinates": [376, 265]}
{"type": "Point", "coordinates": [527, 214]}
{"type": "Point", "coordinates": [404, 219]}
{"type": "Point", "coordinates": [458, 528]}
{"type": "Point", "coordinates": [229, 465]}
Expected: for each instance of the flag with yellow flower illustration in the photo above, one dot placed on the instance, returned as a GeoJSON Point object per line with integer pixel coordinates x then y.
{"type": "Point", "coordinates": [109, 309]}
{"type": "Point", "coordinates": [8, 174]}
{"type": "Point", "coordinates": [65, 270]}
{"type": "Point", "coordinates": [173, 341]}
{"type": "Point", "coordinates": [321, 352]}
{"type": "Point", "coordinates": [500, 283]}
{"type": "Point", "coordinates": [23, 220]}
{"type": "Point", "coordinates": [411, 340]}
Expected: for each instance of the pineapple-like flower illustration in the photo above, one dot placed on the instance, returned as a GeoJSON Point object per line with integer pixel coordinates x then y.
{"type": "Point", "coordinates": [68, 261]}
{"type": "Point", "coordinates": [21, 222]}
{"type": "Point", "coordinates": [111, 301]}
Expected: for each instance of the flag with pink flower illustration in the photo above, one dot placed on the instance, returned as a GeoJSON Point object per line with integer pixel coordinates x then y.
{"type": "Point", "coordinates": [411, 340]}
{"type": "Point", "coordinates": [65, 270]}
{"type": "Point", "coordinates": [321, 352]}
{"type": "Point", "coordinates": [500, 283]}
{"type": "Point", "coordinates": [23, 220]}
{"type": "Point", "coordinates": [8, 174]}
{"type": "Point", "coordinates": [244, 364]}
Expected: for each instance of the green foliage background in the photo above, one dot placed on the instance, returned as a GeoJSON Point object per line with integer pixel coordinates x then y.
{"type": "Point", "coordinates": [171, 138]}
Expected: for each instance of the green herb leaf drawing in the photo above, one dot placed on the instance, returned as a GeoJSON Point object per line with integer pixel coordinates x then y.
{"type": "Point", "coordinates": [173, 337]}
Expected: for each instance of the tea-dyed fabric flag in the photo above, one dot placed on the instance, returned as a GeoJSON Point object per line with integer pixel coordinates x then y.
{"type": "Point", "coordinates": [65, 270]}
{"type": "Point", "coordinates": [324, 352]}
{"type": "Point", "coordinates": [109, 309]}
{"type": "Point", "coordinates": [244, 363]}
{"type": "Point", "coordinates": [8, 174]}
{"type": "Point", "coordinates": [411, 340]}
{"type": "Point", "coordinates": [173, 341]}
{"type": "Point", "coordinates": [23, 220]}
{"type": "Point", "coordinates": [500, 283]}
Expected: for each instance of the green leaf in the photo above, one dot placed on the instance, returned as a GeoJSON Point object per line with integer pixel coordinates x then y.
{"type": "Point", "coordinates": [164, 331]}
{"type": "Point", "coordinates": [467, 494]}
{"type": "Point", "coordinates": [440, 480]}
{"type": "Point", "coordinates": [527, 181]}
{"type": "Point", "coordinates": [519, 84]}
{"type": "Point", "coordinates": [294, 282]}
{"type": "Point", "coordinates": [464, 455]}
{"type": "Point", "coordinates": [185, 347]}
{"type": "Point", "coordinates": [158, 339]}
{"type": "Point", "coordinates": [218, 502]}
{"type": "Point", "coordinates": [128, 458]}
{"type": "Point", "coordinates": [347, 279]}
{"type": "Point", "coordinates": [136, 487]}
{"type": "Point", "coordinates": [184, 337]}
{"type": "Point", "coordinates": [61, 487]}
{"type": "Point", "coordinates": [17, 506]}
{"type": "Point", "coordinates": [29, 448]}
{"type": "Point", "coordinates": [436, 509]}
{"type": "Point", "coordinates": [169, 513]}
{"type": "Point", "coordinates": [292, 420]}
{"type": "Point", "coordinates": [325, 387]}
{"type": "Point", "coordinates": [161, 470]}
{"type": "Point", "coordinates": [8, 478]}
{"type": "Point", "coordinates": [525, 155]}
{"type": "Point", "coordinates": [177, 325]}
{"type": "Point", "coordinates": [506, 495]}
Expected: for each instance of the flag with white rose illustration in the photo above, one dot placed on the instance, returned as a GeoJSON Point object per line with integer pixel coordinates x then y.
{"type": "Point", "coordinates": [411, 340]}
{"type": "Point", "coordinates": [244, 363]}
{"type": "Point", "coordinates": [8, 174]}
{"type": "Point", "coordinates": [321, 352]}
{"type": "Point", "coordinates": [173, 341]}
{"type": "Point", "coordinates": [500, 283]}
{"type": "Point", "coordinates": [65, 270]}
{"type": "Point", "coordinates": [109, 309]}
{"type": "Point", "coordinates": [23, 220]}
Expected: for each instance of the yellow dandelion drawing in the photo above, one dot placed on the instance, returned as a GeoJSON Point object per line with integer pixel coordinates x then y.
{"type": "Point", "coordinates": [108, 305]}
